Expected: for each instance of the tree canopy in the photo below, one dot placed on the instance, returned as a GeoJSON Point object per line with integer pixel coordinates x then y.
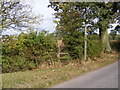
{"type": "Point", "coordinates": [73, 15]}
{"type": "Point", "coordinates": [16, 15]}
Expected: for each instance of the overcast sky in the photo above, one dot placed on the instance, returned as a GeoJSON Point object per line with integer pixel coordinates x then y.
{"type": "Point", "coordinates": [40, 7]}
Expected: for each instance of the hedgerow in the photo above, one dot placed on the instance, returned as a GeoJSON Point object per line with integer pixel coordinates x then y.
{"type": "Point", "coordinates": [29, 51]}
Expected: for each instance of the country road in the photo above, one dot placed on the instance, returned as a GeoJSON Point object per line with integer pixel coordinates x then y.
{"type": "Point", "coordinates": [106, 77]}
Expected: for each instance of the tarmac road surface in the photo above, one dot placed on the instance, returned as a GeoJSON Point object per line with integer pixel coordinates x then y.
{"type": "Point", "coordinates": [106, 77]}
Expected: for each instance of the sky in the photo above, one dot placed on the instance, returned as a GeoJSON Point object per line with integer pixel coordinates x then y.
{"type": "Point", "coordinates": [40, 7]}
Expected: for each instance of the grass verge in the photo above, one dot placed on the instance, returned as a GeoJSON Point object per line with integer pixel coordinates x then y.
{"type": "Point", "coordinates": [46, 77]}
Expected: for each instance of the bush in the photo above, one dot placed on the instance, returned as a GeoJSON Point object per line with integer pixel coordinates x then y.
{"type": "Point", "coordinates": [75, 46]}
{"type": "Point", "coordinates": [94, 47]}
{"type": "Point", "coordinates": [27, 51]}
{"type": "Point", "coordinates": [65, 58]}
{"type": "Point", "coordinates": [114, 37]}
{"type": "Point", "coordinates": [115, 45]}
{"type": "Point", "coordinates": [13, 64]}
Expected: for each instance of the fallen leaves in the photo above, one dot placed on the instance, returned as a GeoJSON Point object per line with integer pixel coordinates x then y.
{"type": "Point", "coordinates": [45, 77]}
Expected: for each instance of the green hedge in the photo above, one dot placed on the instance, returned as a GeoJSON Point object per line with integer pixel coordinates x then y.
{"type": "Point", "coordinates": [115, 45]}
{"type": "Point", "coordinates": [27, 51]}
{"type": "Point", "coordinates": [94, 47]}
{"type": "Point", "coordinates": [75, 46]}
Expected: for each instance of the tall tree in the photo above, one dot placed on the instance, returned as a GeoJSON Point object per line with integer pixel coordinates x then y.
{"type": "Point", "coordinates": [16, 15]}
{"type": "Point", "coordinates": [106, 13]}
{"type": "Point", "coordinates": [71, 17]}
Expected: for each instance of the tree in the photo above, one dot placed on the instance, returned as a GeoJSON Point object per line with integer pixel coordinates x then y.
{"type": "Point", "coordinates": [68, 27]}
{"type": "Point", "coordinates": [72, 17]}
{"type": "Point", "coordinates": [87, 13]}
{"type": "Point", "coordinates": [106, 12]}
{"type": "Point", "coordinates": [17, 16]}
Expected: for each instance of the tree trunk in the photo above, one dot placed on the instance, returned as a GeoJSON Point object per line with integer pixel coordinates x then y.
{"type": "Point", "coordinates": [104, 37]}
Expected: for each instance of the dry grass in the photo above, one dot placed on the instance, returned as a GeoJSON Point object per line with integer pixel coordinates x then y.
{"type": "Point", "coordinates": [46, 77]}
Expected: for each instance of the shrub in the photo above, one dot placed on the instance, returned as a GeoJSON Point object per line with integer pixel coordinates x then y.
{"type": "Point", "coordinates": [75, 46]}
{"type": "Point", "coordinates": [115, 45]}
{"type": "Point", "coordinates": [27, 51]}
{"type": "Point", "coordinates": [13, 64]}
{"type": "Point", "coordinates": [65, 58]}
{"type": "Point", "coordinates": [94, 47]}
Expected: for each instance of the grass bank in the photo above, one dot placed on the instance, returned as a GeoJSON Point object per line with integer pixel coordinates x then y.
{"type": "Point", "coordinates": [46, 77]}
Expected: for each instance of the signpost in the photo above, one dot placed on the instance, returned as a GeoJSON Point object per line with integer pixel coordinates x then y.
{"type": "Point", "coordinates": [85, 46]}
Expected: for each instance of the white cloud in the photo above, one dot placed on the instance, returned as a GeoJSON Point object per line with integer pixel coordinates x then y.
{"type": "Point", "coordinates": [41, 7]}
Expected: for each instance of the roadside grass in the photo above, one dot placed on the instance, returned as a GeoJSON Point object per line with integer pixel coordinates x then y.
{"type": "Point", "coordinates": [46, 77]}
